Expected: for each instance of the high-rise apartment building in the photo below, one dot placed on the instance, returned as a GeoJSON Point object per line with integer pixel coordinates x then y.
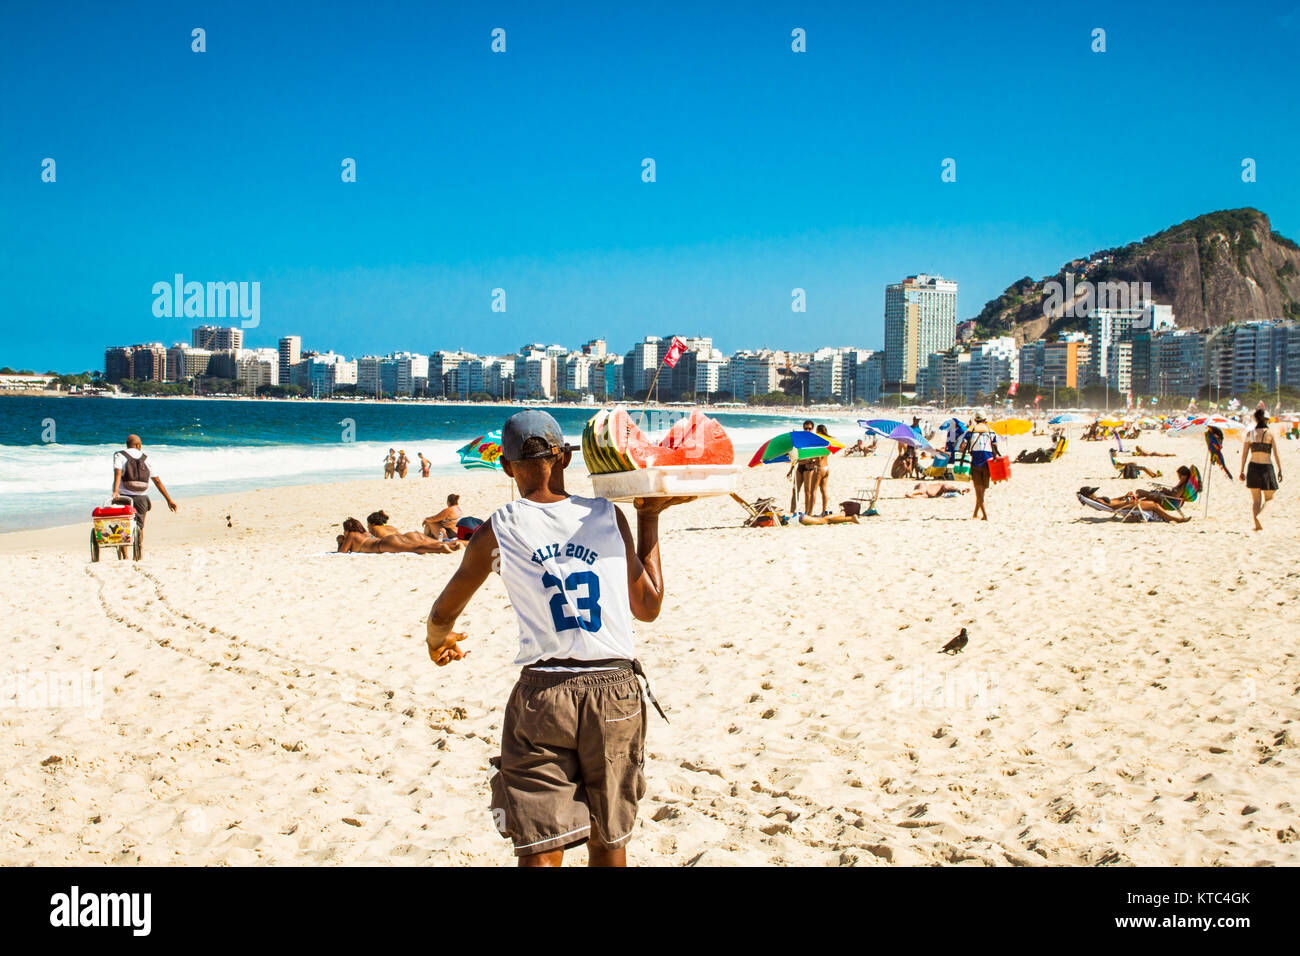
{"type": "Point", "coordinates": [217, 338]}
{"type": "Point", "coordinates": [920, 319]}
{"type": "Point", "coordinates": [257, 367]}
{"type": "Point", "coordinates": [290, 355]}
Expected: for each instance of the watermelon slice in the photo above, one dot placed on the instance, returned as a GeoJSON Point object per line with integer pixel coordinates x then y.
{"type": "Point", "coordinates": [627, 443]}
{"type": "Point", "coordinates": [592, 454]}
{"type": "Point", "coordinates": [697, 440]}
{"type": "Point", "coordinates": [612, 442]}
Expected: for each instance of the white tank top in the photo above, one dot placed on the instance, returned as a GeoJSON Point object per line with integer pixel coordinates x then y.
{"type": "Point", "coordinates": [564, 566]}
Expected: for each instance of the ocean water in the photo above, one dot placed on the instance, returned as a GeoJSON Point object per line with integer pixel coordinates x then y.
{"type": "Point", "coordinates": [56, 453]}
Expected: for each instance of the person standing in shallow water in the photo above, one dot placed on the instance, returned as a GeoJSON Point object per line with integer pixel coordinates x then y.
{"type": "Point", "coordinates": [1257, 457]}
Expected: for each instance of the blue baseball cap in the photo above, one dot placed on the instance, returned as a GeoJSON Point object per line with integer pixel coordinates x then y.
{"type": "Point", "coordinates": [532, 423]}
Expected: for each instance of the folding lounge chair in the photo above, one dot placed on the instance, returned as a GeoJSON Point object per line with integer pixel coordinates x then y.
{"type": "Point", "coordinates": [762, 513]}
{"type": "Point", "coordinates": [868, 496]}
{"type": "Point", "coordinates": [1129, 470]}
{"type": "Point", "coordinates": [1060, 449]}
{"type": "Point", "coordinates": [1189, 494]}
{"type": "Point", "coordinates": [1125, 513]}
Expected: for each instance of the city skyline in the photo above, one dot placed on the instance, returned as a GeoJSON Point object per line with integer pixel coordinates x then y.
{"type": "Point", "coordinates": [523, 171]}
{"type": "Point", "coordinates": [1135, 350]}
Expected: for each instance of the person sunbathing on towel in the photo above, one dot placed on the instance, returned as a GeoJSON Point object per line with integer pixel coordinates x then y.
{"type": "Point", "coordinates": [1139, 453]}
{"type": "Point", "coordinates": [1133, 499]}
{"type": "Point", "coordinates": [377, 524]}
{"type": "Point", "coordinates": [355, 539]}
{"type": "Point", "coordinates": [1039, 456]}
{"type": "Point", "coordinates": [936, 489]}
{"type": "Point", "coordinates": [829, 519]}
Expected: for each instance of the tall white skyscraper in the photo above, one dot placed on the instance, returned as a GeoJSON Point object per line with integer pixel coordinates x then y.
{"type": "Point", "coordinates": [920, 318]}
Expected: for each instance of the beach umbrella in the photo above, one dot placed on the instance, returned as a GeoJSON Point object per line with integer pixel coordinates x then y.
{"type": "Point", "coordinates": [794, 446]}
{"type": "Point", "coordinates": [1012, 426]}
{"type": "Point", "coordinates": [962, 428]}
{"type": "Point", "coordinates": [1206, 422]}
{"type": "Point", "coordinates": [896, 431]}
{"type": "Point", "coordinates": [1068, 418]}
{"type": "Point", "coordinates": [790, 447]}
{"type": "Point", "coordinates": [482, 452]}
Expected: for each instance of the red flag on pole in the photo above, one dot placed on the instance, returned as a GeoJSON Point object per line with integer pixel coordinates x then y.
{"type": "Point", "coordinates": [1013, 388]}
{"type": "Point", "coordinates": [675, 351]}
{"type": "Point", "coordinates": [1038, 399]}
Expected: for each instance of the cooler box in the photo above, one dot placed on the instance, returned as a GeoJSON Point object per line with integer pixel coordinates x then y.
{"type": "Point", "coordinates": [999, 468]}
{"type": "Point", "coordinates": [114, 524]}
{"type": "Point", "coordinates": [667, 481]}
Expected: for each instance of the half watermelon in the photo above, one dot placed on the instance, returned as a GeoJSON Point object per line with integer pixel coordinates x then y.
{"type": "Point", "coordinates": [612, 442]}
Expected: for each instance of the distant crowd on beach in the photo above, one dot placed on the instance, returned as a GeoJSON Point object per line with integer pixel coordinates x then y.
{"type": "Point", "coordinates": [396, 464]}
{"type": "Point", "coordinates": [971, 461]}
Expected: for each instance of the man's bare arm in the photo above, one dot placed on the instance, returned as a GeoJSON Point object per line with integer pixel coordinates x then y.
{"type": "Point", "coordinates": [475, 566]}
{"type": "Point", "coordinates": [170, 504]}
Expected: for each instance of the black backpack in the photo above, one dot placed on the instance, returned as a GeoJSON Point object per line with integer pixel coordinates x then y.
{"type": "Point", "coordinates": [135, 470]}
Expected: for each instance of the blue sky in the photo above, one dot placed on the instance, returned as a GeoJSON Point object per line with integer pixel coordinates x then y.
{"type": "Point", "coordinates": [522, 170]}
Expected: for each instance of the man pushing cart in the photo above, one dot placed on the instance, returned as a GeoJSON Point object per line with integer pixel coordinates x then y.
{"type": "Point", "coordinates": [120, 523]}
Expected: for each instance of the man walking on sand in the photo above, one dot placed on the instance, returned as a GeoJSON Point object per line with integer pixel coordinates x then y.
{"type": "Point", "coordinates": [131, 476]}
{"type": "Point", "coordinates": [573, 734]}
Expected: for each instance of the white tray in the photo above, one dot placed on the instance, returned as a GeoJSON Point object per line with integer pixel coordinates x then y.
{"type": "Point", "coordinates": [667, 481]}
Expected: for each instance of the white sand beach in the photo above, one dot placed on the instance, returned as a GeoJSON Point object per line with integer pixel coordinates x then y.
{"type": "Point", "coordinates": [1130, 693]}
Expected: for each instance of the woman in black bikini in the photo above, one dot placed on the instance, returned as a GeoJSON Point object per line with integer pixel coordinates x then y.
{"type": "Point", "coordinates": [1257, 457]}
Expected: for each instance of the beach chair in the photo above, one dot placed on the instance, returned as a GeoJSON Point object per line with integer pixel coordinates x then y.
{"type": "Point", "coordinates": [868, 496]}
{"type": "Point", "coordinates": [1189, 493]}
{"type": "Point", "coordinates": [1060, 449]}
{"type": "Point", "coordinates": [1129, 470]}
{"type": "Point", "coordinates": [1130, 513]}
{"type": "Point", "coordinates": [761, 514]}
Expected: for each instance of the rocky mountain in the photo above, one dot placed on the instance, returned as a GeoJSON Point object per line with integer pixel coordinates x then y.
{"type": "Point", "coordinates": [1226, 266]}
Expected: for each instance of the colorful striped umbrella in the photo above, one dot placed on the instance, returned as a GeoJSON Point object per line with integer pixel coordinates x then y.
{"type": "Point", "coordinates": [795, 446]}
{"type": "Point", "coordinates": [482, 452]}
{"type": "Point", "coordinates": [1206, 422]}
